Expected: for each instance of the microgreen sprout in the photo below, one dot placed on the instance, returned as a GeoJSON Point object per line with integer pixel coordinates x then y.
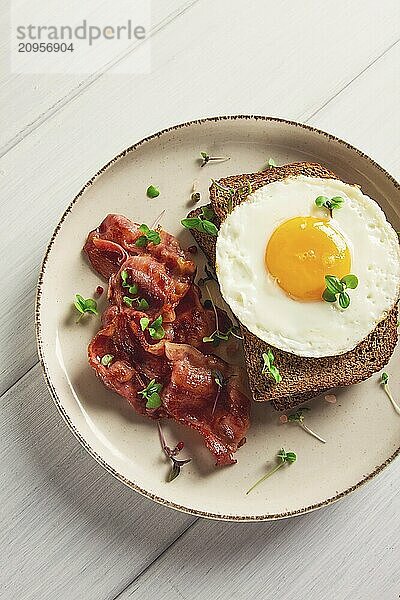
{"type": "Point", "coordinates": [336, 202]}
{"type": "Point", "coordinates": [220, 382]}
{"type": "Point", "coordinates": [206, 158]}
{"type": "Point", "coordinates": [210, 276]}
{"type": "Point", "coordinates": [151, 393]}
{"type": "Point", "coordinates": [132, 288]}
{"type": "Point", "coordinates": [171, 454]}
{"type": "Point", "coordinates": [283, 458]}
{"type": "Point", "coordinates": [203, 222]}
{"type": "Point", "coordinates": [149, 235]}
{"type": "Point", "coordinates": [107, 360]}
{"type": "Point", "coordinates": [385, 385]}
{"type": "Point", "coordinates": [155, 328]}
{"type": "Point", "coordinates": [336, 289]}
{"type": "Point", "coordinates": [298, 417]}
{"type": "Point", "coordinates": [241, 191]}
{"type": "Point", "coordinates": [85, 306]}
{"type": "Point", "coordinates": [152, 191]}
{"type": "Point", "coordinates": [269, 367]}
{"type": "Point", "coordinates": [271, 163]}
{"type": "Point", "coordinates": [216, 336]}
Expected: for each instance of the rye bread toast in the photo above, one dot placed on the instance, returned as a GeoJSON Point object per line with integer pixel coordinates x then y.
{"type": "Point", "coordinates": [302, 378]}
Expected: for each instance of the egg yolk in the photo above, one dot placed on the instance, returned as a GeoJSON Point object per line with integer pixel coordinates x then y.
{"type": "Point", "coordinates": [301, 251]}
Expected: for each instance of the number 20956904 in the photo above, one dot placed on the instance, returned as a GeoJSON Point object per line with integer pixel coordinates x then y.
{"type": "Point", "coordinates": [45, 47]}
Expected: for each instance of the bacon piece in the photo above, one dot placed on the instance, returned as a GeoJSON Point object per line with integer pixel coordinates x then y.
{"type": "Point", "coordinates": [161, 290]}
{"type": "Point", "coordinates": [190, 396]}
{"type": "Point", "coordinates": [121, 235]}
{"type": "Point", "coordinates": [135, 360]}
{"type": "Point", "coordinates": [194, 322]}
{"type": "Point", "coordinates": [163, 274]}
{"type": "Point", "coordinates": [105, 256]}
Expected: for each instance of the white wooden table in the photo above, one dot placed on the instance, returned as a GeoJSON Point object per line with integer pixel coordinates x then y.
{"type": "Point", "coordinates": [68, 529]}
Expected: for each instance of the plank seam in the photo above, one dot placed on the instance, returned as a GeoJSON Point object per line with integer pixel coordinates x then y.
{"type": "Point", "coordinates": [349, 83]}
{"type": "Point", "coordinates": [143, 571]}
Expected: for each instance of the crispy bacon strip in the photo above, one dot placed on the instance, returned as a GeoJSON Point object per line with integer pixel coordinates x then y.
{"type": "Point", "coordinates": [121, 235]}
{"type": "Point", "coordinates": [163, 274]}
{"type": "Point", "coordinates": [190, 396]}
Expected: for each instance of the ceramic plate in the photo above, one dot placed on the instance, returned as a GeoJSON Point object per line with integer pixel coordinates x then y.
{"type": "Point", "coordinates": [362, 430]}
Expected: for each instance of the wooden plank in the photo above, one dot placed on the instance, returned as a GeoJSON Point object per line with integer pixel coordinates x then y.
{"type": "Point", "coordinates": [35, 97]}
{"type": "Point", "coordinates": [348, 550]}
{"type": "Point", "coordinates": [69, 529]}
{"type": "Point", "coordinates": [369, 112]}
{"type": "Point", "coordinates": [195, 73]}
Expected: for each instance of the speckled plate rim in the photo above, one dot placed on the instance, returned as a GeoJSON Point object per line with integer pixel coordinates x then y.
{"type": "Point", "coordinates": [51, 386]}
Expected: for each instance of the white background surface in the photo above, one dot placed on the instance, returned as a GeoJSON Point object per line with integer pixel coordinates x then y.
{"type": "Point", "coordinates": [68, 529]}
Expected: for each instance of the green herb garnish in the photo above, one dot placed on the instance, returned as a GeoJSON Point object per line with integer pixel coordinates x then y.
{"type": "Point", "coordinates": [133, 289]}
{"type": "Point", "coordinates": [85, 306]}
{"type": "Point", "coordinates": [269, 367]}
{"type": "Point", "coordinates": [216, 336]}
{"type": "Point", "coordinates": [283, 458]}
{"type": "Point", "coordinates": [152, 191]}
{"type": "Point", "coordinates": [151, 393]}
{"type": "Point", "coordinates": [149, 235]}
{"type": "Point", "coordinates": [242, 191]}
{"type": "Point", "coordinates": [171, 454]}
{"type": "Point", "coordinates": [107, 359]}
{"type": "Point", "coordinates": [220, 382]}
{"type": "Point", "coordinates": [206, 158]}
{"type": "Point", "coordinates": [385, 385]}
{"type": "Point", "coordinates": [336, 202]}
{"type": "Point", "coordinates": [155, 328]}
{"type": "Point", "coordinates": [271, 163]}
{"type": "Point", "coordinates": [336, 289]}
{"type": "Point", "coordinates": [203, 222]}
{"type": "Point", "coordinates": [298, 417]}
{"type": "Point", "coordinates": [141, 303]}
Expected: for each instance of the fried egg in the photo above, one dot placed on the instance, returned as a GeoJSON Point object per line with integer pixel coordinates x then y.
{"type": "Point", "coordinates": [275, 249]}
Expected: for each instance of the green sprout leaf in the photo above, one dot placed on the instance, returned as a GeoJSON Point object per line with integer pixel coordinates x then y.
{"type": "Point", "coordinates": [128, 301]}
{"type": "Point", "coordinates": [152, 191]}
{"type": "Point", "coordinates": [85, 306]}
{"type": "Point", "coordinates": [124, 278]}
{"type": "Point", "coordinates": [143, 304]}
{"type": "Point", "coordinates": [144, 323]}
{"type": "Point", "coordinates": [283, 458]}
{"type": "Point", "coordinates": [334, 203]}
{"type": "Point", "coordinates": [350, 281]}
{"type": "Point", "coordinates": [344, 300]}
{"type": "Point", "coordinates": [201, 224]}
{"type": "Point", "coordinates": [155, 328]}
{"type": "Point", "coordinates": [269, 367]}
{"type": "Point", "coordinates": [321, 201]}
{"type": "Point", "coordinates": [271, 163]}
{"type": "Point", "coordinates": [329, 296]}
{"type": "Point", "coordinates": [298, 417]}
{"type": "Point", "coordinates": [336, 289]}
{"type": "Point", "coordinates": [333, 284]}
{"type": "Point", "coordinates": [206, 158]}
{"type": "Point", "coordinates": [107, 359]}
{"type": "Point", "coordinates": [154, 401]}
{"type": "Point", "coordinates": [151, 393]}
{"type": "Point", "coordinates": [149, 235]}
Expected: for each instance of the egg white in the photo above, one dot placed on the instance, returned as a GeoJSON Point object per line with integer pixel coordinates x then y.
{"type": "Point", "coordinates": [308, 328]}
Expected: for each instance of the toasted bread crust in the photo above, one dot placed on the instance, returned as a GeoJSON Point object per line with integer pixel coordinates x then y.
{"type": "Point", "coordinates": [302, 378]}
